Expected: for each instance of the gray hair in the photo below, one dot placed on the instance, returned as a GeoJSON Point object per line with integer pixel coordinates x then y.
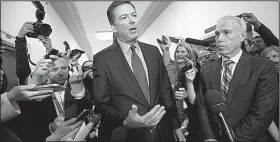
{"type": "Point", "coordinates": [242, 23]}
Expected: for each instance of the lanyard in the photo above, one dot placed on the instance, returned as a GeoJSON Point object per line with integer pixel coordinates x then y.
{"type": "Point", "coordinates": [59, 107]}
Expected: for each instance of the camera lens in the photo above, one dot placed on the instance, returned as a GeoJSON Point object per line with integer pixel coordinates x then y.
{"type": "Point", "coordinates": [44, 29]}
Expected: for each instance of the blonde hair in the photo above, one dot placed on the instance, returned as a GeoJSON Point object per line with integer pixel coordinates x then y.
{"type": "Point", "coordinates": [269, 49]}
{"type": "Point", "coordinates": [191, 53]}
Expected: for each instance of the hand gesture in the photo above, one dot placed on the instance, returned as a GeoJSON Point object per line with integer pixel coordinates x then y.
{"type": "Point", "coordinates": [151, 118]}
{"type": "Point", "coordinates": [27, 27]}
{"type": "Point", "coordinates": [251, 18]}
{"type": "Point", "coordinates": [64, 129]}
{"type": "Point", "coordinates": [190, 75]}
{"type": "Point", "coordinates": [66, 55]}
{"type": "Point", "coordinates": [75, 79]}
{"type": "Point", "coordinates": [180, 135]}
{"type": "Point", "coordinates": [163, 47]}
{"type": "Point", "coordinates": [181, 94]}
{"type": "Point", "coordinates": [43, 67]}
{"type": "Point", "coordinates": [23, 93]}
{"type": "Point", "coordinates": [47, 42]}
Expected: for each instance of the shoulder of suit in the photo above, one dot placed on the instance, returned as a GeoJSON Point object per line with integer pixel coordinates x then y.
{"type": "Point", "coordinates": [258, 60]}
{"type": "Point", "coordinates": [146, 44]}
{"type": "Point", "coordinates": [104, 51]}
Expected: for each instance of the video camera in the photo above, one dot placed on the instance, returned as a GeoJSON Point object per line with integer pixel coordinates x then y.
{"type": "Point", "coordinates": [40, 28]}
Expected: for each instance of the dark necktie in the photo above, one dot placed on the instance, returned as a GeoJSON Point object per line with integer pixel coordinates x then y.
{"type": "Point", "coordinates": [139, 73]}
{"type": "Point", "coordinates": [227, 64]}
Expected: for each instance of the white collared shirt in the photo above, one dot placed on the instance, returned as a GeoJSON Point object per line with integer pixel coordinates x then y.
{"type": "Point", "coordinates": [127, 53]}
{"type": "Point", "coordinates": [235, 59]}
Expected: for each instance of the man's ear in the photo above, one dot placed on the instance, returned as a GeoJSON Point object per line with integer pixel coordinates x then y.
{"type": "Point", "coordinates": [114, 28]}
{"type": "Point", "coordinates": [243, 35]}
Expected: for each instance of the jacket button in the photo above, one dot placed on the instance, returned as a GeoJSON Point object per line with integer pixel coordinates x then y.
{"type": "Point", "coordinates": [151, 130]}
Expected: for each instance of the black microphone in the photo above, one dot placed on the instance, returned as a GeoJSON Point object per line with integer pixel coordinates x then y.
{"type": "Point", "coordinates": [119, 134]}
{"type": "Point", "coordinates": [199, 42]}
{"type": "Point", "coordinates": [214, 99]}
{"type": "Point", "coordinates": [67, 47]}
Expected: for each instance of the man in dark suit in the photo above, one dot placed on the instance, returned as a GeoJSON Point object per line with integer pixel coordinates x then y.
{"type": "Point", "coordinates": [63, 105]}
{"type": "Point", "coordinates": [131, 87]}
{"type": "Point", "coordinates": [248, 84]}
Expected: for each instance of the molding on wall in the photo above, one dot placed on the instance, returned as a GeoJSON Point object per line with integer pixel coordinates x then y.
{"type": "Point", "coordinates": [151, 14]}
{"type": "Point", "coordinates": [69, 14]}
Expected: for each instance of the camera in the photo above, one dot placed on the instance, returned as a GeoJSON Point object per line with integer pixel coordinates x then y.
{"type": "Point", "coordinates": [40, 28]}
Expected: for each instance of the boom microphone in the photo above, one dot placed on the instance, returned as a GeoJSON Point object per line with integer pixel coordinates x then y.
{"type": "Point", "coordinates": [119, 134]}
{"type": "Point", "coordinates": [215, 100]}
{"type": "Point", "coordinates": [199, 42]}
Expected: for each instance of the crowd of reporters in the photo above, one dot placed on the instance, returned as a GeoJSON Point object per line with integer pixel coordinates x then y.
{"type": "Point", "coordinates": [51, 115]}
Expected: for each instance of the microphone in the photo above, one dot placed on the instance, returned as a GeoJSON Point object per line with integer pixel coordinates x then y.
{"type": "Point", "coordinates": [215, 100]}
{"type": "Point", "coordinates": [199, 42]}
{"type": "Point", "coordinates": [67, 47]}
{"type": "Point", "coordinates": [119, 134]}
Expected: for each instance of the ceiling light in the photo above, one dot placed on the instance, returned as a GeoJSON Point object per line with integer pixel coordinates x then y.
{"type": "Point", "coordinates": [104, 35]}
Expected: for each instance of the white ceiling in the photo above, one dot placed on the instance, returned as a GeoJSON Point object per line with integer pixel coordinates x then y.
{"type": "Point", "coordinates": [85, 18]}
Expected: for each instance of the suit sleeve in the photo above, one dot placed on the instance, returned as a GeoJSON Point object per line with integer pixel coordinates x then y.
{"type": "Point", "coordinates": [22, 64]}
{"type": "Point", "coordinates": [202, 111]}
{"type": "Point", "coordinates": [102, 93]}
{"type": "Point", "coordinates": [166, 95]}
{"type": "Point", "coordinates": [263, 107]}
{"type": "Point", "coordinates": [85, 102]}
{"type": "Point", "coordinates": [268, 37]}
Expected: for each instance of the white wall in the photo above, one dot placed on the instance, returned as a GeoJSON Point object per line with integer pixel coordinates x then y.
{"type": "Point", "coordinates": [191, 18]}
{"type": "Point", "coordinates": [15, 13]}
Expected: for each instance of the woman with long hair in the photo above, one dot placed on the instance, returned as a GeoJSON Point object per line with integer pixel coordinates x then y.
{"type": "Point", "coordinates": [184, 78]}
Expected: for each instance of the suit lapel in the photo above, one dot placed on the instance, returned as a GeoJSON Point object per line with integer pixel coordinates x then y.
{"type": "Point", "coordinates": [216, 77]}
{"type": "Point", "coordinates": [118, 58]}
{"type": "Point", "coordinates": [148, 59]}
{"type": "Point", "coordinates": [240, 70]}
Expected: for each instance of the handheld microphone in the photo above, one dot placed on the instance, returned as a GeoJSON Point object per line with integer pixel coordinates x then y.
{"type": "Point", "coordinates": [199, 42]}
{"type": "Point", "coordinates": [67, 47]}
{"type": "Point", "coordinates": [119, 134]}
{"type": "Point", "coordinates": [215, 100]}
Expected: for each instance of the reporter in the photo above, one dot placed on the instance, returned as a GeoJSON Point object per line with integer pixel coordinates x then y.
{"type": "Point", "coordinates": [185, 96]}
{"type": "Point", "coordinates": [266, 38]}
{"type": "Point", "coordinates": [9, 106]}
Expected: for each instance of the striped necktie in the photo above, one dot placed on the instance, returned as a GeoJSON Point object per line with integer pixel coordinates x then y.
{"type": "Point", "coordinates": [139, 73]}
{"type": "Point", "coordinates": [227, 64]}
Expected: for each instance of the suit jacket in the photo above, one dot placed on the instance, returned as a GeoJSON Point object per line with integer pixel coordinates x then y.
{"type": "Point", "coordinates": [251, 100]}
{"type": "Point", "coordinates": [116, 90]}
{"type": "Point", "coordinates": [268, 37]}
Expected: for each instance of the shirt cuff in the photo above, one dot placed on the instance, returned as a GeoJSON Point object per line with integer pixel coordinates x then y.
{"type": "Point", "coordinates": [78, 95]}
{"type": "Point", "coordinates": [8, 109]}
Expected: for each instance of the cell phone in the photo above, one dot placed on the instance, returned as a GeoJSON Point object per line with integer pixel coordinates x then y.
{"type": "Point", "coordinates": [87, 118]}
{"type": "Point", "coordinates": [174, 40]}
{"type": "Point", "coordinates": [83, 114]}
{"type": "Point", "coordinates": [52, 52]}
{"type": "Point", "coordinates": [53, 87]}
{"type": "Point", "coordinates": [163, 39]}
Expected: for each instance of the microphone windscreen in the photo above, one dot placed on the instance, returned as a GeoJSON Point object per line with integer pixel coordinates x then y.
{"type": "Point", "coordinates": [119, 134]}
{"type": "Point", "coordinates": [214, 99]}
{"type": "Point", "coordinates": [197, 42]}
